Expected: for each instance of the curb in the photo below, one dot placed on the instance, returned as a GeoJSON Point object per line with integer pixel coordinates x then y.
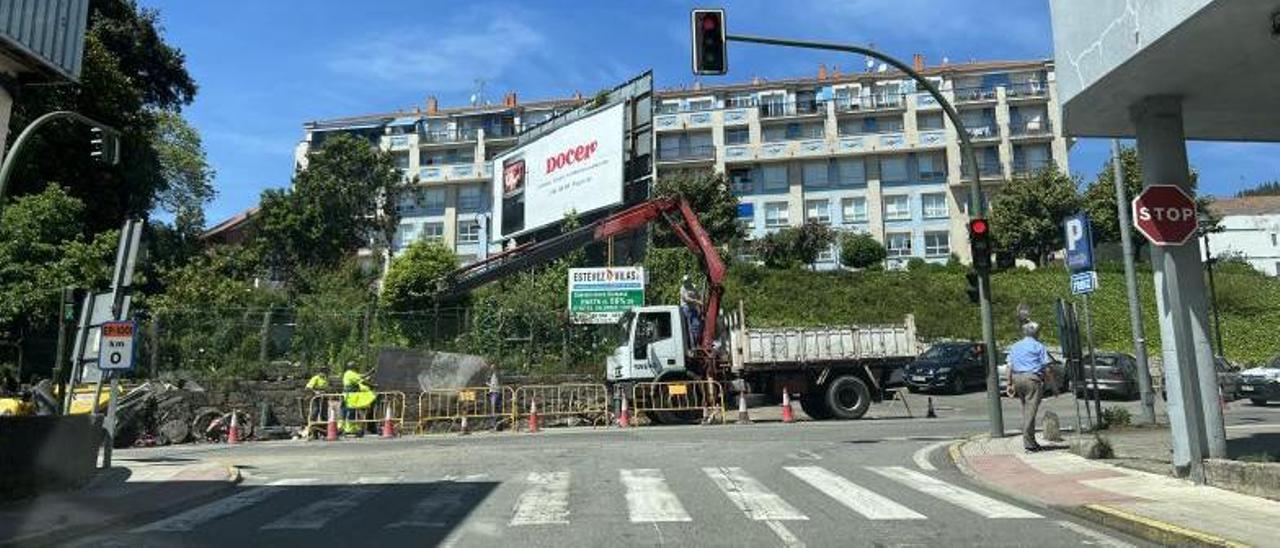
{"type": "Point", "coordinates": [1154, 530]}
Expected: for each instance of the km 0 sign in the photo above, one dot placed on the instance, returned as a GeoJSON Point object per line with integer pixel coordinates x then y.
{"type": "Point", "coordinates": [1165, 215]}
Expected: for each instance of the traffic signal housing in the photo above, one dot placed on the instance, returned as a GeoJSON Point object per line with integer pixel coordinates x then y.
{"type": "Point", "coordinates": [972, 290]}
{"type": "Point", "coordinates": [709, 53]}
{"type": "Point", "coordinates": [980, 244]}
{"type": "Point", "coordinates": [104, 146]}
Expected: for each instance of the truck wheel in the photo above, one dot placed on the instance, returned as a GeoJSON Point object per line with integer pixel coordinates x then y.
{"type": "Point", "coordinates": [813, 406]}
{"type": "Point", "coordinates": [848, 397]}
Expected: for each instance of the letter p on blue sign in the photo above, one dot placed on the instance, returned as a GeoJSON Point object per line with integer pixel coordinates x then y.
{"type": "Point", "coordinates": [1079, 240]}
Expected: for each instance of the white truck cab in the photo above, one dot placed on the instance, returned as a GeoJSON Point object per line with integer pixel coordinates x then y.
{"type": "Point", "coordinates": [656, 340]}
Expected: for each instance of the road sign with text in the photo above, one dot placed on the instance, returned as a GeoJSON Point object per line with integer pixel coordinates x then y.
{"type": "Point", "coordinates": [1084, 282]}
{"type": "Point", "coordinates": [1165, 214]}
{"type": "Point", "coordinates": [115, 351]}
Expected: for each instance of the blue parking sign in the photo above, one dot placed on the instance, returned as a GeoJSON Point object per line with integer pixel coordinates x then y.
{"type": "Point", "coordinates": [1079, 242]}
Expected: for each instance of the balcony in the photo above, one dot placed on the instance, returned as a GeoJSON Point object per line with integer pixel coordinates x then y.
{"type": "Point", "coordinates": [986, 131]}
{"type": "Point", "coordinates": [1027, 90]}
{"type": "Point", "coordinates": [1025, 166]}
{"type": "Point", "coordinates": [870, 103]}
{"type": "Point", "coordinates": [450, 136]}
{"type": "Point", "coordinates": [974, 95]}
{"type": "Point", "coordinates": [801, 134]}
{"type": "Point", "coordinates": [441, 173]}
{"type": "Point", "coordinates": [793, 108]}
{"type": "Point", "coordinates": [987, 169]}
{"type": "Point", "coordinates": [502, 132]}
{"type": "Point", "coordinates": [687, 153]}
{"type": "Point", "coordinates": [1021, 128]}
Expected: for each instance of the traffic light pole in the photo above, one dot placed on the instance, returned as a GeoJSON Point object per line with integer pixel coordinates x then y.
{"type": "Point", "coordinates": [10, 159]}
{"type": "Point", "coordinates": [977, 207]}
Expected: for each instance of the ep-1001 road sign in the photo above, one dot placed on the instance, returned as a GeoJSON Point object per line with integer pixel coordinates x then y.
{"type": "Point", "coordinates": [115, 351]}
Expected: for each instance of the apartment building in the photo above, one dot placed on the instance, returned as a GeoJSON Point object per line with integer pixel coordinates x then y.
{"type": "Point", "coordinates": [866, 152]}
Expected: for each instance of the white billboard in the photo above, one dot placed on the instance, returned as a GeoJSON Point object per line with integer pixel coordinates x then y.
{"type": "Point", "coordinates": [577, 168]}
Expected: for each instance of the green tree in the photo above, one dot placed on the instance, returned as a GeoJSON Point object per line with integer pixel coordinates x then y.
{"type": "Point", "coordinates": [711, 200]}
{"type": "Point", "coordinates": [1268, 188]}
{"type": "Point", "coordinates": [129, 75]}
{"type": "Point", "coordinates": [1099, 200]}
{"type": "Point", "coordinates": [861, 251]}
{"type": "Point", "coordinates": [794, 247]}
{"type": "Point", "coordinates": [411, 278]}
{"type": "Point", "coordinates": [1027, 214]}
{"type": "Point", "coordinates": [185, 171]}
{"type": "Point", "coordinates": [345, 199]}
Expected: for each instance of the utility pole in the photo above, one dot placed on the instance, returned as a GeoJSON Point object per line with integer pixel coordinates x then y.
{"type": "Point", "coordinates": [1131, 284]}
{"type": "Point", "coordinates": [1209, 261]}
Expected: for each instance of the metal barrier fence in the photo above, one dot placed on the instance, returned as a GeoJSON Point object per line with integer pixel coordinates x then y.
{"type": "Point", "coordinates": [679, 397]}
{"type": "Point", "coordinates": [362, 419]}
{"type": "Point", "coordinates": [589, 402]}
{"type": "Point", "coordinates": [450, 405]}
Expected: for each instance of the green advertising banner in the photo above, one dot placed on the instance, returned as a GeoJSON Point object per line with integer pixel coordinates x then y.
{"type": "Point", "coordinates": [602, 295]}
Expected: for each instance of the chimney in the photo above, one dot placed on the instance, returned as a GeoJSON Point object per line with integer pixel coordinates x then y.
{"type": "Point", "coordinates": [577, 95]}
{"type": "Point", "coordinates": [509, 100]}
{"type": "Point", "coordinates": [822, 71]}
{"type": "Point", "coordinates": [917, 62]}
{"type": "Point", "coordinates": [433, 106]}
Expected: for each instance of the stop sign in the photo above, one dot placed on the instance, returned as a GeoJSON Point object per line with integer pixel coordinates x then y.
{"type": "Point", "coordinates": [1165, 215]}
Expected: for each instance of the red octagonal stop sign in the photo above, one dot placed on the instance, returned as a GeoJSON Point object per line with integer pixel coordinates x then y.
{"type": "Point", "coordinates": [1165, 215]}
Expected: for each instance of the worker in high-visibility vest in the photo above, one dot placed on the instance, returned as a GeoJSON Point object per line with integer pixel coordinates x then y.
{"type": "Point", "coordinates": [357, 393]}
{"type": "Point", "coordinates": [318, 385]}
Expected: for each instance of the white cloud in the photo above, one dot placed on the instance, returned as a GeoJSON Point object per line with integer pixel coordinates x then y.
{"type": "Point", "coordinates": [445, 55]}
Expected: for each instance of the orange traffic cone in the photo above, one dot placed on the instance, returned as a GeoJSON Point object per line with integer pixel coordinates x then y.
{"type": "Point", "coordinates": [786, 406]}
{"type": "Point", "coordinates": [388, 429]}
{"type": "Point", "coordinates": [533, 416]}
{"type": "Point", "coordinates": [463, 429]}
{"type": "Point", "coordinates": [743, 416]}
{"type": "Point", "coordinates": [624, 419]}
{"type": "Point", "coordinates": [233, 434]}
{"type": "Point", "coordinates": [332, 434]}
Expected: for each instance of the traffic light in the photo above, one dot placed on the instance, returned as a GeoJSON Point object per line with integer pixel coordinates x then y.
{"type": "Point", "coordinates": [972, 278]}
{"type": "Point", "coordinates": [980, 244]}
{"type": "Point", "coordinates": [709, 54]}
{"type": "Point", "coordinates": [104, 146]}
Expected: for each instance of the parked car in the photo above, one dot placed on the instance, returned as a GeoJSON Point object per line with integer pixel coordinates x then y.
{"type": "Point", "coordinates": [1229, 380]}
{"type": "Point", "coordinates": [1261, 384]}
{"type": "Point", "coordinates": [1058, 368]}
{"type": "Point", "coordinates": [953, 367]}
{"type": "Point", "coordinates": [1117, 375]}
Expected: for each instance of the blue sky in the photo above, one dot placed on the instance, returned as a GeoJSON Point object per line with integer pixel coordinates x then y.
{"type": "Point", "coordinates": [265, 68]}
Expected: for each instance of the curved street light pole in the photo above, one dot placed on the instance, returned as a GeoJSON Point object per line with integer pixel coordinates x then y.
{"type": "Point", "coordinates": [11, 158]}
{"type": "Point", "coordinates": [977, 207]}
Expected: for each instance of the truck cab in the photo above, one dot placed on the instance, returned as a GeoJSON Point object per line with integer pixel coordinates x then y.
{"type": "Point", "coordinates": [654, 343]}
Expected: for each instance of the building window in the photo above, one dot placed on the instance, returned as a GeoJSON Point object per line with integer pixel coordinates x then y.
{"type": "Point", "coordinates": [747, 216]}
{"type": "Point", "coordinates": [741, 100]}
{"type": "Point", "coordinates": [898, 244]}
{"type": "Point", "coordinates": [893, 169]}
{"type": "Point", "coordinates": [737, 136]}
{"type": "Point", "coordinates": [407, 233]}
{"type": "Point", "coordinates": [741, 181]}
{"type": "Point", "coordinates": [1273, 239]}
{"type": "Point", "coordinates": [852, 172]}
{"type": "Point", "coordinates": [775, 215]}
{"type": "Point", "coordinates": [934, 205]}
{"type": "Point", "coordinates": [897, 208]}
{"type": "Point", "coordinates": [853, 210]}
{"type": "Point", "coordinates": [887, 124]}
{"type": "Point", "coordinates": [773, 134]}
{"type": "Point", "coordinates": [937, 244]}
{"type": "Point", "coordinates": [433, 231]}
{"type": "Point", "coordinates": [668, 107]}
{"type": "Point", "coordinates": [402, 161]}
{"type": "Point", "coordinates": [929, 121]}
{"type": "Point", "coordinates": [706, 103]}
{"type": "Point", "coordinates": [932, 167]}
{"type": "Point", "coordinates": [817, 174]}
{"type": "Point", "coordinates": [433, 201]}
{"type": "Point", "coordinates": [775, 177]}
{"type": "Point", "coordinates": [826, 256]}
{"type": "Point", "coordinates": [469, 232]}
{"type": "Point", "coordinates": [470, 198]}
{"type": "Point", "coordinates": [817, 211]}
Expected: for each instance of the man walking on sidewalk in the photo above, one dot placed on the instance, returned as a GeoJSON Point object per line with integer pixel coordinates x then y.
{"type": "Point", "coordinates": [1027, 361]}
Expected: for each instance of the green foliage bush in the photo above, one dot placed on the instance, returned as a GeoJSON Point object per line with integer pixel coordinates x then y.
{"type": "Point", "coordinates": [861, 251]}
{"type": "Point", "coordinates": [794, 247]}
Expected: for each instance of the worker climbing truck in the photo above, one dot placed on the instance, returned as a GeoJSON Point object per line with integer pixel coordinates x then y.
{"type": "Point", "coordinates": [836, 371]}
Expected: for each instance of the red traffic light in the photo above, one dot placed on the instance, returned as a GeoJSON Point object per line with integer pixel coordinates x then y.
{"type": "Point", "coordinates": [978, 227]}
{"type": "Point", "coordinates": [710, 21]}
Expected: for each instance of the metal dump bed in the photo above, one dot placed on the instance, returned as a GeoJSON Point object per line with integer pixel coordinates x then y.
{"type": "Point", "coordinates": [754, 347]}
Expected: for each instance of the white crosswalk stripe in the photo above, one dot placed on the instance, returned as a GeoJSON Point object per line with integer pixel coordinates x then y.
{"type": "Point", "coordinates": [983, 505]}
{"type": "Point", "coordinates": [859, 499]}
{"type": "Point", "coordinates": [199, 515]}
{"type": "Point", "coordinates": [317, 514]}
{"type": "Point", "coordinates": [750, 496]}
{"type": "Point", "coordinates": [442, 503]}
{"type": "Point", "coordinates": [649, 499]}
{"type": "Point", "coordinates": [546, 501]}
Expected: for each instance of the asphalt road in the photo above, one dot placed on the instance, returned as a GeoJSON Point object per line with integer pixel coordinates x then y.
{"type": "Point", "coordinates": [874, 482]}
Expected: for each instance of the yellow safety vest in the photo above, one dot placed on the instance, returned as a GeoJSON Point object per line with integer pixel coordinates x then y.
{"type": "Point", "coordinates": [318, 382]}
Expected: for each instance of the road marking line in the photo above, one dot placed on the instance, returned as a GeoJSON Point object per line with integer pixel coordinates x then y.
{"type": "Point", "coordinates": [921, 457]}
{"type": "Point", "coordinates": [199, 515]}
{"type": "Point", "coordinates": [649, 499]}
{"type": "Point", "coordinates": [788, 539]}
{"type": "Point", "coordinates": [1102, 539]}
{"type": "Point", "coordinates": [861, 500]}
{"type": "Point", "coordinates": [440, 504]}
{"type": "Point", "coordinates": [545, 502]}
{"type": "Point", "coordinates": [317, 514]}
{"type": "Point", "coordinates": [964, 498]}
{"type": "Point", "coordinates": [751, 496]}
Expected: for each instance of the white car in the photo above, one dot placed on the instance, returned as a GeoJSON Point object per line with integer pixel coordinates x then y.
{"type": "Point", "coordinates": [1261, 384]}
{"type": "Point", "coordinates": [1055, 365]}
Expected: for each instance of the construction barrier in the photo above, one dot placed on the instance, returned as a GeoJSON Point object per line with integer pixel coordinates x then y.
{"type": "Point", "coordinates": [365, 419]}
{"type": "Point", "coordinates": [443, 409]}
{"type": "Point", "coordinates": [680, 399]}
{"type": "Point", "coordinates": [565, 403]}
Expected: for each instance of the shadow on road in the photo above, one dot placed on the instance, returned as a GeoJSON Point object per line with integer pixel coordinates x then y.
{"type": "Point", "coordinates": [1259, 445]}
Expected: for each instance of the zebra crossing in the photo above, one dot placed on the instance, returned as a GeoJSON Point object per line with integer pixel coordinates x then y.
{"type": "Point", "coordinates": [544, 499]}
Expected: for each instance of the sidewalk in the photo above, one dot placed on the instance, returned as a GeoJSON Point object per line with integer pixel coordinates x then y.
{"type": "Point", "coordinates": [1160, 508]}
{"type": "Point", "coordinates": [136, 487]}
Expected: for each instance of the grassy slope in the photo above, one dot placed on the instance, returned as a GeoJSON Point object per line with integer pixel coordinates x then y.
{"type": "Point", "coordinates": [1249, 302]}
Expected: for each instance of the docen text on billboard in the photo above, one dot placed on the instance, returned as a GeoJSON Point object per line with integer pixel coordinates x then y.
{"type": "Point", "coordinates": [577, 168]}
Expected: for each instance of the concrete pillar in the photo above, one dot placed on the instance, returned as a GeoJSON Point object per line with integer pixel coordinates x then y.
{"type": "Point", "coordinates": [795, 194]}
{"type": "Point", "coordinates": [451, 216]}
{"type": "Point", "coordinates": [875, 200]}
{"type": "Point", "coordinates": [1195, 417]}
{"type": "Point", "coordinates": [1002, 125]}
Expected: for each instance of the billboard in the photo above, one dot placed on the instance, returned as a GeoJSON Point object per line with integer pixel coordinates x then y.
{"type": "Point", "coordinates": [602, 295]}
{"type": "Point", "coordinates": [576, 168]}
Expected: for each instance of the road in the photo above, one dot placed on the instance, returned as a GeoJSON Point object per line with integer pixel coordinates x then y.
{"type": "Point", "coordinates": [873, 482]}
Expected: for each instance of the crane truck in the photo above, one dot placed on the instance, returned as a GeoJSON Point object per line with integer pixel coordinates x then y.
{"type": "Point", "coordinates": [836, 372]}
